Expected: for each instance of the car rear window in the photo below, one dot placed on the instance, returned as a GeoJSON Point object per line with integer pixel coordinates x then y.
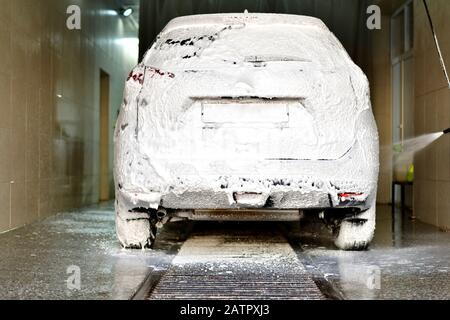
{"type": "Point", "coordinates": [213, 47]}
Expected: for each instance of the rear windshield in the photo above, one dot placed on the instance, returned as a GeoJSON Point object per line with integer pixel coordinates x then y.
{"type": "Point", "coordinates": [212, 47]}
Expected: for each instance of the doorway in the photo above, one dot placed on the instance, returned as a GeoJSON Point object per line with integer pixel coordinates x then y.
{"type": "Point", "coordinates": [402, 70]}
{"type": "Point", "coordinates": [104, 194]}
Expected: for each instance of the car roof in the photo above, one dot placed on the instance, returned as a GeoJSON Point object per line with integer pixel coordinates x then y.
{"type": "Point", "coordinates": [247, 18]}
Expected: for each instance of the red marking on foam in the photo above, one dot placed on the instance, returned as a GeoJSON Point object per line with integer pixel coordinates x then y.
{"type": "Point", "coordinates": [161, 73]}
{"type": "Point", "coordinates": [137, 77]}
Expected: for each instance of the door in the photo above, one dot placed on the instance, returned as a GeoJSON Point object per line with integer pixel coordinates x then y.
{"type": "Point", "coordinates": [104, 194]}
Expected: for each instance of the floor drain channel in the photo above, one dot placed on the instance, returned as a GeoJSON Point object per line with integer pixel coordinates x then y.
{"type": "Point", "coordinates": [236, 267]}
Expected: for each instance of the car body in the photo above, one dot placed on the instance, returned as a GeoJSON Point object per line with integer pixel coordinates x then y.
{"type": "Point", "coordinates": [231, 114]}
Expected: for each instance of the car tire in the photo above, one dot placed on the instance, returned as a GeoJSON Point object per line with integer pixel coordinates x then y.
{"type": "Point", "coordinates": [135, 232]}
{"type": "Point", "coordinates": [356, 233]}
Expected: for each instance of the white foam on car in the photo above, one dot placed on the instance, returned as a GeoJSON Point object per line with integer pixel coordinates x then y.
{"type": "Point", "coordinates": [292, 60]}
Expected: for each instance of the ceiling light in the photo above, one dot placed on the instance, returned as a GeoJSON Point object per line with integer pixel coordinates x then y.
{"type": "Point", "coordinates": [126, 12]}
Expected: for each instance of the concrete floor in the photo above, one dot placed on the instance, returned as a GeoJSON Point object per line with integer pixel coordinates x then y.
{"type": "Point", "coordinates": [34, 260]}
{"type": "Point", "coordinates": [408, 260]}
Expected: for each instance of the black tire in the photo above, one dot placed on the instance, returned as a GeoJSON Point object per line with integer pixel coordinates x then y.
{"type": "Point", "coordinates": [135, 232]}
{"type": "Point", "coordinates": [355, 234]}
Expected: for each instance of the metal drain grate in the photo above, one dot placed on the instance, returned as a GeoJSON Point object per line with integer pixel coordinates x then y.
{"type": "Point", "coordinates": [237, 265]}
{"type": "Point", "coordinates": [238, 287]}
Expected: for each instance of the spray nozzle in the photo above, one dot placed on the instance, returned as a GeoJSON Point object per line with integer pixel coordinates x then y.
{"type": "Point", "coordinates": [447, 131]}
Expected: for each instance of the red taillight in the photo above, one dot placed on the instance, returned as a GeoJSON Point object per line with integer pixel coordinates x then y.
{"type": "Point", "coordinates": [352, 196]}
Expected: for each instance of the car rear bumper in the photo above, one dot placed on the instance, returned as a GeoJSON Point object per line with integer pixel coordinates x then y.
{"type": "Point", "coordinates": [251, 193]}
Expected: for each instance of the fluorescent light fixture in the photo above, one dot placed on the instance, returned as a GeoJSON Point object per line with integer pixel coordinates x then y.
{"type": "Point", "coordinates": [109, 12]}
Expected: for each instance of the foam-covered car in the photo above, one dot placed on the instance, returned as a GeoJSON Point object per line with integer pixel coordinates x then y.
{"type": "Point", "coordinates": [246, 117]}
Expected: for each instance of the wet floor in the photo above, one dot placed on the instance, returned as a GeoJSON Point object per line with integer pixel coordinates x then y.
{"type": "Point", "coordinates": [407, 260]}
{"type": "Point", "coordinates": [41, 260]}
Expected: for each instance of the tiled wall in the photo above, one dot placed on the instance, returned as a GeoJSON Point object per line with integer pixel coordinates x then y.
{"type": "Point", "coordinates": [432, 165]}
{"type": "Point", "coordinates": [49, 102]}
{"type": "Point", "coordinates": [432, 108]}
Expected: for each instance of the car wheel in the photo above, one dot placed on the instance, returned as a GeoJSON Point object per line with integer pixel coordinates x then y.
{"type": "Point", "coordinates": [135, 232]}
{"type": "Point", "coordinates": [356, 233]}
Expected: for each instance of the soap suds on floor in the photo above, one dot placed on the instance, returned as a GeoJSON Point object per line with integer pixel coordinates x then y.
{"type": "Point", "coordinates": [222, 254]}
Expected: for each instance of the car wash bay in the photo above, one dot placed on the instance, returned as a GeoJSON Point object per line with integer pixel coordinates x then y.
{"type": "Point", "coordinates": [60, 91]}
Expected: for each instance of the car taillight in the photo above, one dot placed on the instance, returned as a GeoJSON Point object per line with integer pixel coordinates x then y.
{"type": "Point", "coordinates": [352, 196]}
